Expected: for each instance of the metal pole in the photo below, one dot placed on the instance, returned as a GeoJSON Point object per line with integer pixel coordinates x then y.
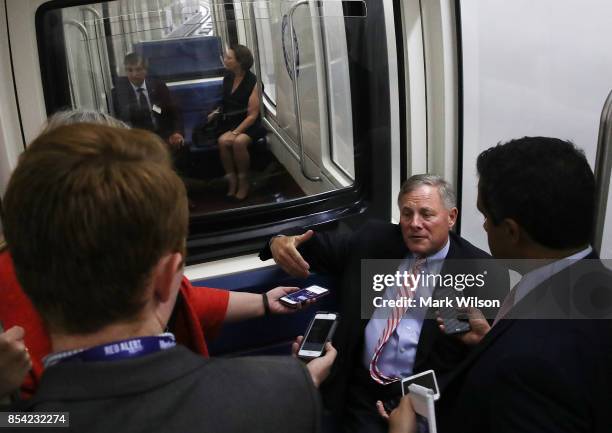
{"type": "Point", "coordinates": [296, 92]}
{"type": "Point", "coordinates": [83, 31]}
{"type": "Point", "coordinates": [603, 170]}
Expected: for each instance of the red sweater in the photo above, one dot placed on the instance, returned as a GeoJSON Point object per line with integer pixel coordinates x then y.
{"type": "Point", "coordinates": [200, 315]}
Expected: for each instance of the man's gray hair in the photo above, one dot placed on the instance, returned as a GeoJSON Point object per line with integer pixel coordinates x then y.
{"type": "Point", "coordinates": [69, 117]}
{"type": "Point", "coordinates": [447, 193]}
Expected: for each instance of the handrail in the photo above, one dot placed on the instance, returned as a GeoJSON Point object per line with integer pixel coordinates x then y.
{"type": "Point", "coordinates": [296, 92]}
{"type": "Point", "coordinates": [106, 82]}
{"type": "Point", "coordinates": [257, 64]}
{"type": "Point", "coordinates": [277, 134]}
{"type": "Point", "coordinates": [603, 170]}
{"type": "Point", "coordinates": [83, 31]}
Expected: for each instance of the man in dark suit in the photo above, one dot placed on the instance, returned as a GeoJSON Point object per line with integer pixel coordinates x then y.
{"type": "Point", "coordinates": [101, 258]}
{"type": "Point", "coordinates": [146, 103]}
{"type": "Point", "coordinates": [427, 214]}
{"type": "Point", "coordinates": [546, 364]}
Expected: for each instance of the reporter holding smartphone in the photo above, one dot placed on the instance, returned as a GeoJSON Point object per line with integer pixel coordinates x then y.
{"type": "Point", "coordinates": [319, 368]}
{"type": "Point", "coordinates": [112, 353]}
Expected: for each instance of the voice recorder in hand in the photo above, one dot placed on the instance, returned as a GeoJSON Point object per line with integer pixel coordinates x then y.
{"type": "Point", "coordinates": [426, 379]}
{"type": "Point", "coordinates": [320, 331]}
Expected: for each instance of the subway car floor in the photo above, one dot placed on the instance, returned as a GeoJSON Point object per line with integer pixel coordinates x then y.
{"type": "Point", "coordinates": [273, 184]}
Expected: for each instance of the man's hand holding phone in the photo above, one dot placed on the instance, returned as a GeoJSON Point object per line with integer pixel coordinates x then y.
{"type": "Point", "coordinates": [320, 367]}
{"type": "Point", "coordinates": [479, 327]}
{"type": "Point", "coordinates": [316, 346]}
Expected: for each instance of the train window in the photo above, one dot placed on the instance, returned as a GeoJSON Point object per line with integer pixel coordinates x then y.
{"type": "Point", "coordinates": [266, 25]}
{"type": "Point", "coordinates": [255, 144]}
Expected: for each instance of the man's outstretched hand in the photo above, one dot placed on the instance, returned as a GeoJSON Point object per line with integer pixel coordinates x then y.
{"type": "Point", "coordinates": [285, 253]}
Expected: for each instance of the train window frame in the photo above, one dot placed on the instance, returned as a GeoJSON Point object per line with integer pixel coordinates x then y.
{"type": "Point", "coordinates": [241, 230]}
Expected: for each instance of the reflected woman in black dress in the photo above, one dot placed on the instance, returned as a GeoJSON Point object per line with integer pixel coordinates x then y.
{"type": "Point", "coordinates": [239, 124]}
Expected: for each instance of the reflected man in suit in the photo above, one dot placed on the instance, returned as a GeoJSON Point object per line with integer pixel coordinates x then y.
{"type": "Point", "coordinates": [146, 103]}
{"type": "Point", "coordinates": [366, 371]}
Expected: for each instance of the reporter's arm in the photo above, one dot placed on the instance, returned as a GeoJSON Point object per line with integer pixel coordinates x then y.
{"type": "Point", "coordinates": [242, 306]}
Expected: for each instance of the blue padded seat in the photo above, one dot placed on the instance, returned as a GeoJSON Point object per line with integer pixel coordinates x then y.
{"type": "Point", "coordinates": [183, 58]}
{"type": "Point", "coordinates": [195, 100]}
{"type": "Point", "coordinates": [271, 335]}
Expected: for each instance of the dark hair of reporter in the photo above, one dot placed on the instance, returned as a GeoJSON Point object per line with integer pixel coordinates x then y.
{"type": "Point", "coordinates": [544, 184]}
{"type": "Point", "coordinates": [88, 212]}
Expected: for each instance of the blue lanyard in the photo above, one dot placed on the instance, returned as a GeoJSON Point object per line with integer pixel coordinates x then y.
{"type": "Point", "coordinates": [123, 349]}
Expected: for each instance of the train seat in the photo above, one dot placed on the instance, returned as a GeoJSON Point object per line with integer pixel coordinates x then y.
{"type": "Point", "coordinates": [195, 100]}
{"type": "Point", "coordinates": [271, 335]}
{"type": "Point", "coordinates": [183, 58]}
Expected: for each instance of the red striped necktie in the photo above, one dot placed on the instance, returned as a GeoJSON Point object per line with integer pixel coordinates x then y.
{"type": "Point", "coordinates": [393, 320]}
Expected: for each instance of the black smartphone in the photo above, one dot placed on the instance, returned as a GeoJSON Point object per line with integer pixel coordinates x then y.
{"type": "Point", "coordinates": [454, 321]}
{"type": "Point", "coordinates": [320, 331]}
{"type": "Point", "coordinates": [293, 300]}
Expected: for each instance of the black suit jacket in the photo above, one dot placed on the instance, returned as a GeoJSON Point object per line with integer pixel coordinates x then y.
{"type": "Point", "coordinates": [126, 108]}
{"type": "Point", "coordinates": [540, 375]}
{"type": "Point", "coordinates": [340, 255]}
{"type": "Point", "coordinates": [178, 391]}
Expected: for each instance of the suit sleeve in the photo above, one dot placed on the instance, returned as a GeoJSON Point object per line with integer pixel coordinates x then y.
{"type": "Point", "coordinates": [538, 396]}
{"type": "Point", "coordinates": [175, 119]}
{"type": "Point", "coordinates": [115, 102]}
{"type": "Point", "coordinates": [120, 107]}
{"type": "Point", "coordinates": [325, 252]}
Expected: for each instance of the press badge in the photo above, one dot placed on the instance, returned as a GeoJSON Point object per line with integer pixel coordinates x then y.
{"type": "Point", "coordinates": [156, 109]}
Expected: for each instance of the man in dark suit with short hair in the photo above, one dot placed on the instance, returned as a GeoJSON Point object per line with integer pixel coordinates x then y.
{"type": "Point", "coordinates": [368, 369]}
{"type": "Point", "coordinates": [146, 103]}
{"type": "Point", "coordinates": [546, 364]}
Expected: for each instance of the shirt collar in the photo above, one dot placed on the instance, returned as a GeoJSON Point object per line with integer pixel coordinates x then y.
{"type": "Point", "coordinates": [534, 278]}
{"type": "Point", "coordinates": [142, 86]}
{"type": "Point", "coordinates": [436, 258]}
{"type": "Point", "coordinates": [442, 253]}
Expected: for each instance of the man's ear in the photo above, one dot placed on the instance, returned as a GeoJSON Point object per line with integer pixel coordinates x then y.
{"type": "Point", "coordinates": [167, 276]}
{"type": "Point", "coordinates": [452, 217]}
{"type": "Point", "coordinates": [512, 230]}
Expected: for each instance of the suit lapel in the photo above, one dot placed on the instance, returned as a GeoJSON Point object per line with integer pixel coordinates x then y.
{"type": "Point", "coordinates": [429, 331]}
{"type": "Point", "coordinates": [151, 92]}
{"type": "Point", "coordinates": [131, 94]}
{"type": "Point", "coordinates": [498, 330]}
{"type": "Point", "coordinates": [391, 247]}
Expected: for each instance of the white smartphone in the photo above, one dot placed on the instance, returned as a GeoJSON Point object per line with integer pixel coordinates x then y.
{"type": "Point", "coordinates": [426, 379]}
{"type": "Point", "coordinates": [296, 298]}
{"type": "Point", "coordinates": [320, 331]}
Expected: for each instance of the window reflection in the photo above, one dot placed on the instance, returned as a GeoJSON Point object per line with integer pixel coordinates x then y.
{"type": "Point", "coordinates": [158, 65]}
